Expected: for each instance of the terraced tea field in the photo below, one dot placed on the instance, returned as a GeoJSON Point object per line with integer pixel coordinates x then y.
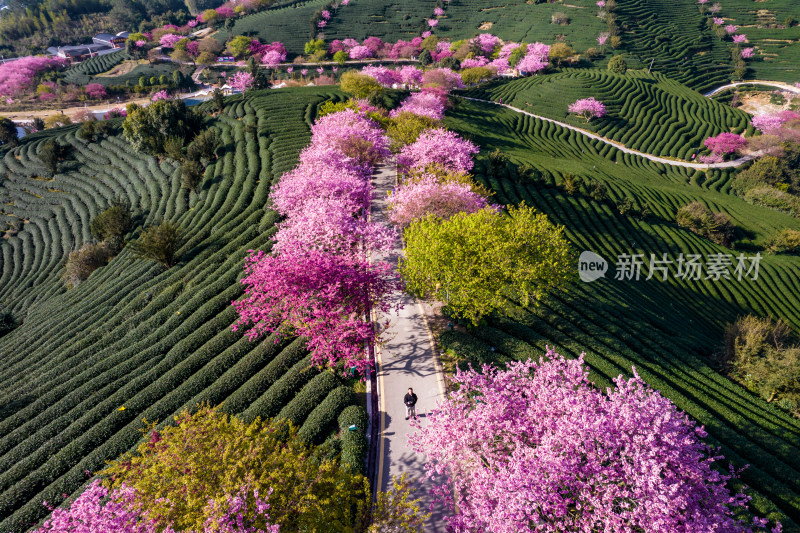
{"type": "Point", "coordinates": [290, 25]}
{"type": "Point", "coordinates": [649, 113]}
{"type": "Point", "coordinates": [668, 330]}
{"type": "Point", "coordinates": [133, 341]}
{"type": "Point", "coordinates": [84, 72]}
{"type": "Point", "coordinates": [777, 46]}
{"type": "Point", "coordinates": [132, 78]}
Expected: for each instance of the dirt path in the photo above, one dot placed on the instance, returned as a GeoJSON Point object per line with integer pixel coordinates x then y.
{"type": "Point", "coordinates": [27, 116]}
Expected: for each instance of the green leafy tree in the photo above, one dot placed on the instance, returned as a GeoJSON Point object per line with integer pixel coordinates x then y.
{"type": "Point", "coordinates": [206, 58]}
{"type": "Point", "coordinates": [203, 146]}
{"type": "Point", "coordinates": [481, 262]}
{"type": "Point", "coordinates": [112, 224]}
{"type": "Point", "coordinates": [359, 85]}
{"type": "Point", "coordinates": [49, 156]}
{"type": "Point", "coordinates": [560, 52]}
{"type": "Point", "coordinates": [85, 260]}
{"type": "Point", "coordinates": [148, 128]}
{"type": "Point", "coordinates": [217, 455]}
{"type": "Point", "coordinates": [180, 56]}
{"type": "Point", "coordinates": [239, 46]}
{"type": "Point", "coordinates": [618, 65]}
{"type": "Point", "coordinates": [714, 226]}
{"type": "Point", "coordinates": [8, 132]}
{"type": "Point", "coordinates": [395, 511]}
{"type": "Point", "coordinates": [173, 147]}
{"type": "Point", "coordinates": [761, 355]}
{"type": "Point", "coordinates": [406, 127]}
{"type": "Point", "coordinates": [159, 243]}
{"type": "Point", "coordinates": [219, 100]}
{"type": "Point", "coordinates": [340, 57]}
{"type": "Point", "coordinates": [211, 17]}
{"type": "Point", "coordinates": [314, 46]}
{"type": "Point", "coordinates": [425, 58]}
{"type": "Point", "coordinates": [191, 174]}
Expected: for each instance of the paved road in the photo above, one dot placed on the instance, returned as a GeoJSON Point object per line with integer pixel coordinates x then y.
{"type": "Point", "coordinates": [622, 147]}
{"type": "Point", "coordinates": [776, 84]}
{"type": "Point", "coordinates": [406, 359]}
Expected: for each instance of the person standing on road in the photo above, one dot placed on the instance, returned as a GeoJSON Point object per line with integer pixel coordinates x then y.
{"type": "Point", "coordinates": [410, 399]}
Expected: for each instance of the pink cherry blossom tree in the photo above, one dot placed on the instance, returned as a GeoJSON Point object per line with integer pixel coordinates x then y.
{"type": "Point", "coordinates": [535, 59]}
{"type": "Point", "coordinates": [427, 196]}
{"type": "Point", "coordinates": [433, 23]}
{"type": "Point", "coordinates": [241, 81]}
{"type": "Point", "coordinates": [747, 53]}
{"type": "Point", "coordinates": [588, 108]}
{"type": "Point", "coordinates": [770, 124]}
{"type": "Point", "coordinates": [383, 75]}
{"type": "Point", "coordinates": [445, 78]}
{"type": "Point", "coordinates": [537, 448]}
{"type": "Point", "coordinates": [169, 40]}
{"type": "Point", "coordinates": [317, 295]}
{"type": "Point", "coordinates": [725, 143]}
{"type": "Point", "coordinates": [95, 91]}
{"type": "Point", "coordinates": [100, 510]}
{"type": "Point", "coordinates": [439, 146]}
{"type": "Point", "coordinates": [360, 52]}
{"type": "Point", "coordinates": [731, 28]}
{"type": "Point", "coordinates": [739, 38]}
{"type": "Point", "coordinates": [160, 95]}
{"type": "Point", "coordinates": [477, 61]}
{"type": "Point", "coordinates": [425, 104]}
{"type": "Point", "coordinates": [438, 12]}
{"type": "Point", "coordinates": [486, 42]}
{"type": "Point", "coordinates": [16, 76]}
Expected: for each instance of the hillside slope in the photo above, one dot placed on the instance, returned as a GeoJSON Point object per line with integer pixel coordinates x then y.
{"type": "Point", "coordinates": [669, 330]}
{"type": "Point", "coordinates": [133, 341]}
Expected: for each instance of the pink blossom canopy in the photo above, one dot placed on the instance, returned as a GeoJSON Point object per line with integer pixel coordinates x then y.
{"type": "Point", "coordinates": [19, 74]}
{"type": "Point", "coordinates": [360, 52]}
{"type": "Point", "coordinates": [424, 104]}
{"type": "Point", "coordinates": [241, 81]}
{"type": "Point", "coordinates": [169, 40]}
{"type": "Point", "coordinates": [588, 108]}
{"type": "Point", "coordinates": [439, 146]}
{"type": "Point", "coordinates": [427, 196]}
{"type": "Point", "coordinates": [725, 143]}
{"type": "Point", "coordinates": [537, 448]}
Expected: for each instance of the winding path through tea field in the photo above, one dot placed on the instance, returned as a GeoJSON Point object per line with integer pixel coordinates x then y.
{"type": "Point", "coordinates": [620, 146]}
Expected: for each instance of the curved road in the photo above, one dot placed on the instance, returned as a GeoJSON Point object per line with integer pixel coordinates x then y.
{"type": "Point", "coordinates": [776, 84]}
{"type": "Point", "coordinates": [622, 147]}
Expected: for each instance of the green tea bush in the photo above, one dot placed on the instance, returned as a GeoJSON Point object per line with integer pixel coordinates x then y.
{"type": "Point", "coordinates": [309, 397]}
{"type": "Point", "coordinates": [354, 442]}
{"type": "Point", "coordinates": [321, 419]}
